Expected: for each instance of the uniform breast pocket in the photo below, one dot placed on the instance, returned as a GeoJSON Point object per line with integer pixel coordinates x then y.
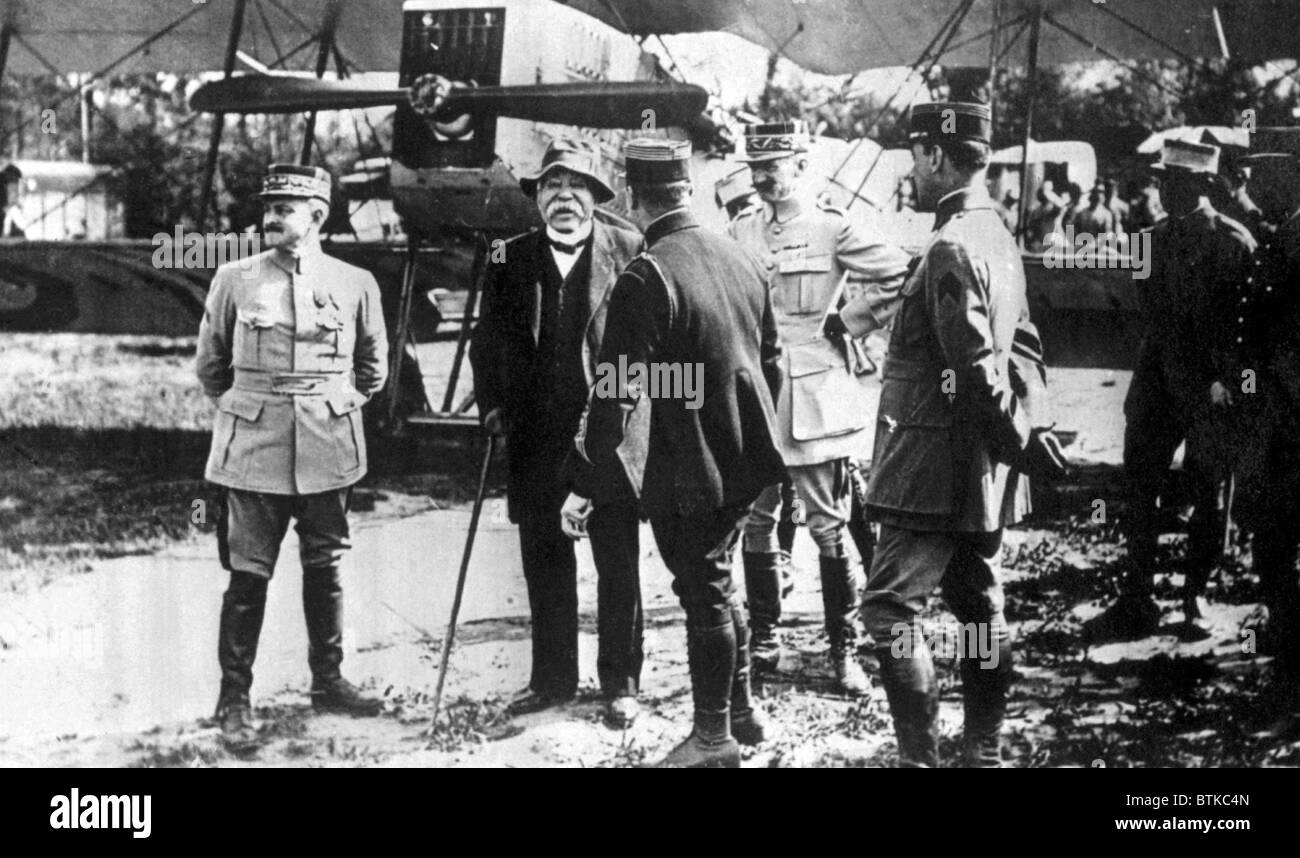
{"type": "Point", "coordinates": [803, 281]}
{"type": "Point", "coordinates": [332, 328]}
{"type": "Point", "coordinates": [252, 325]}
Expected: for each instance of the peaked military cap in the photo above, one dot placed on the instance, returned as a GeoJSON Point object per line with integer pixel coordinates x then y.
{"type": "Point", "coordinates": [1272, 144]}
{"type": "Point", "coordinates": [576, 156]}
{"type": "Point", "coordinates": [656, 161]}
{"type": "Point", "coordinates": [297, 180]}
{"type": "Point", "coordinates": [941, 121]}
{"type": "Point", "coordinates": [1184, 156]}
{"type": "Point", "coordinates": [771, 140]}
{"type": "Point", "coordinates": [731, 187]}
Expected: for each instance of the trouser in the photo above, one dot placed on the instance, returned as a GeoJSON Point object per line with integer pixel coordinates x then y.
{"type": "Point", "coordinates": [823, 490]}
{"type": "Point", "coordinates": [697, 551]}
{"type": "Point", "coordinates": [858, 525]}
{"type": "Point", "coordinates": [250, 528]}
{"type": "Point", "coordinates": [550, 571]}
{"type": "Point", "coordinates": [908, 566]}
{"type": "Point", "coordinates": [1270, 506]}
{"type": "Point", "coordinates": [1154, 428]}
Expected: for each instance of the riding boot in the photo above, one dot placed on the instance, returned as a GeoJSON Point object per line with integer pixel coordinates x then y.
{"type": "Point", "coordinates": [322, 605]}
{"type": "Point", "coordinates": [763, 591]}
{"type": "Point", "coordinates": [840, 607]}
{"type": "Point", "coordinates": [711, 651]}
{"type": "Point", "coordinates": [913, 693]}
{"type": "Point", "coordinates": [985, 682]}
{"type": "Point", "coordinates": [748, 725]}
{"type": "Point", "coordinates": [242, 609]}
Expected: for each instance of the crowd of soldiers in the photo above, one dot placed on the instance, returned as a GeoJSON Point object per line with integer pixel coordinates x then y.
{"type": "Point", "coordinates": [774, 314]}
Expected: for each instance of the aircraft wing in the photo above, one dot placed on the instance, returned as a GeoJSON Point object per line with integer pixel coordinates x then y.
{"type": "Point", "coordinates": [845, 36]}
{"type": "Point", "coordinates": [86, 36]}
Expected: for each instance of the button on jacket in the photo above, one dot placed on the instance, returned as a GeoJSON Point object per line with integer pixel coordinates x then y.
{"type": "Point", "coordinates": [1199, 266]}
{"type": "Point", "coordinates": [949, 422]}
{"type": "Point", "coordinates": [823, 409]}
{"type": "Point", "coordinates": [291, 347]}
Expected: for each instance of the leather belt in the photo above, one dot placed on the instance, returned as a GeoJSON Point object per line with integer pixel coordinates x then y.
{"type": "Point", "coordinates": [291, 383]}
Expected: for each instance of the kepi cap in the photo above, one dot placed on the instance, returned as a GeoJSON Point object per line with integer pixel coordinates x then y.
{"type": "Point", "coordinates": [1188, 158]}
{"type": "Point", "coordinates": [733, 186]}
{"type": "Point", "coordinates": [1273, 144]}
{"type": "Point", "coordinates": [940, 121]}
{"type": "Point", "coordinates": [657, 161]}
{"type": "Point", "coordinates": [771, 140]}
{"type": "Point", "coordinates": [297, 180]}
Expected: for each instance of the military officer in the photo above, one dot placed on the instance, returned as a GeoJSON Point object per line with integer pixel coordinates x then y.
{"type": "Point", "coordinates": [809, 250]}
{"type": "Point", "coordinates": [1180, 388]}
{"type": "Point", "coordinates": [292, 344]}
{"type": "Point", "coordinates": [1267, 348]}
{"type": "Point", "coordinates": [534, 356]}
{"type": "Point", "coordinates": [950, 443]}
{"type": "Point", "coordinates": [735, 192]}
{"type": "Point", "coordinates": [691, 299]}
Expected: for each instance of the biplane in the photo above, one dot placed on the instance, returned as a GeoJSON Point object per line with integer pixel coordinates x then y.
{"type": "Point", "coordinates": [484, 84]}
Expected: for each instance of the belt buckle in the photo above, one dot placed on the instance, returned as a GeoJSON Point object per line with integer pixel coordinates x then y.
{"type": "Point", "coordinates": [289, 385]}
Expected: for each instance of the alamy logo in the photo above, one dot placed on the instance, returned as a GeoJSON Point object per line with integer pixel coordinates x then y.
{"type": "Point", "coordinates": [102, 811]}
{"type": "Point", "coordinates": [197, 250]}
{"type": "Point", "coordinates": [1069, 249]}
{"type": "Point", "coordinates": [658, 381]}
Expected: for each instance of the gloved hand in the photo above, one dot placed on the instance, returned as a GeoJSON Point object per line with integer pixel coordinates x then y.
{"type": "Point", "coordinates": [1043, 458]}
{"type": "Point", "coordinates": [834, 328]}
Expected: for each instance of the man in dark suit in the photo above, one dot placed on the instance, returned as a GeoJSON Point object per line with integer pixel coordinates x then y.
{"type": "Point", "coordinates": [693, 302]}
{"type": "Point", "coordinates": [543, 317]}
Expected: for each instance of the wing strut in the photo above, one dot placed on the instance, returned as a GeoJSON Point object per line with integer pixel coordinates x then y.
{"type": "Point", "coordinates": [219, 120]}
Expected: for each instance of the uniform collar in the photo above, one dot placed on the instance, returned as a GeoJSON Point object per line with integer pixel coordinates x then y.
{"type": "Point", "coordinates": [677, 219]}
{"type": "Point", "coordinates": [961, 200]}
{"type": "Point", "coordinates": [304, 261]}
{"type": "Point", "coordinates": [790, 208]}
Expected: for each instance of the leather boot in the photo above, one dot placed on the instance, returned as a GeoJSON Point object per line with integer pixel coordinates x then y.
{"type": "Point", "coordinates": [242, 609]}
{"type": "Point", "coordinates": [864, 538]}
{"type": "Point", "coordinates": [840, 609]}
{"type": "Point", "coordinates": [913, 694]}
{"type": "Point", "coordinates": [763, 590]}
{"type": "Point", "coordinates": [748, 724]}
{"type": "Point", "coordinates": [985, 684]}
{"type": "Point", "coordinates": [322, 605]}
{"type": "Point", "coordinates": [711, 651]}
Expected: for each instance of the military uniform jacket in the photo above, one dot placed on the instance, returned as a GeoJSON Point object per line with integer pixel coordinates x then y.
{"type": "Point", "coordinates": [291, 347]}
{"type": "Point", "coordinates": [692, 297]}
{"type": "Point", "coordinates": [506, 339]}
{"type": "Point", "coordinates": [1266, 340]}
{"type": "Point", "coordinates": [1200, 263]}
{"type": "Point", "coordinates": [949, 421]}
{"type": "Point", "coordinates": [824, 407]}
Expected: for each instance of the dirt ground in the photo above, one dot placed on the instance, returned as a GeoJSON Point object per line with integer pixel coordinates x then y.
{"type": "Point", "coordinates": [109, 594]}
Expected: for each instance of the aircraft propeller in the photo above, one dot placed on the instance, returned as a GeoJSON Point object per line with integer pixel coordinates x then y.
{"type": "Point", "coordinates": [591, 105]}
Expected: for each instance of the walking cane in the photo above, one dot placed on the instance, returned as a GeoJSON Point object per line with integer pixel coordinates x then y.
{"type": "Point", "coordinates": [1227, 513]}
{"type": "Point", "coordinates": [450, 637]}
